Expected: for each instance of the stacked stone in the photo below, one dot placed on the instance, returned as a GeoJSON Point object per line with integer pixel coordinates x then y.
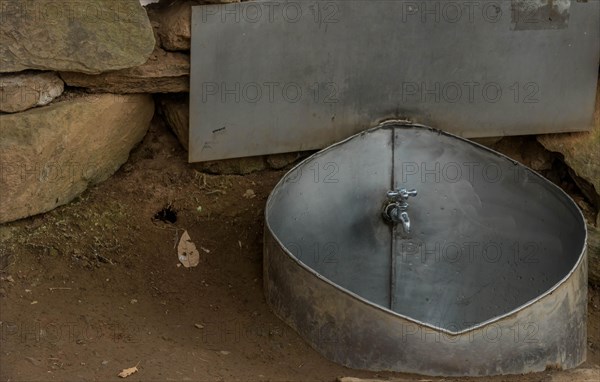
{"type": "Point", "coordinates": [56, 140]}
{"type": "Point", "coordinates": [77, 81]}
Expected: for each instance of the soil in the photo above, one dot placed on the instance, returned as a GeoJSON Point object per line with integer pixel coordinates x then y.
{"type": "Point", "coordinates": [95, 286]}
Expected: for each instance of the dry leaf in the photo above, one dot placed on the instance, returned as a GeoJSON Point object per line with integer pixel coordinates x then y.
{"type": "Point", "coordinates": [187, 252]}
{"type": "Point", "coordinates": [127, 372]}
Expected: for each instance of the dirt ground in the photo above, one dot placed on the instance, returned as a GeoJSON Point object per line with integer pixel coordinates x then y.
{"type": "Point", "coordinates": [94, 287]}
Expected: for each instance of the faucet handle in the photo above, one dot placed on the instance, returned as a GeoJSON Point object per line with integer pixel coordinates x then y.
{"type": "Point", "coordinates": [401, 194]}
{"type": "Point", "coordinates": [406, 193]}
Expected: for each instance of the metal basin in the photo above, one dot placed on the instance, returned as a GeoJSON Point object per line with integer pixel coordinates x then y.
{"type": "Point", "coordinates": [491, 279]}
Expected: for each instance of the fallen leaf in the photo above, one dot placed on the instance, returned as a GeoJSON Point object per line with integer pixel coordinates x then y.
{"type": "Point", "coordinates": [187, 252]}
{"type": "Point", "coordinates": [127, 372]}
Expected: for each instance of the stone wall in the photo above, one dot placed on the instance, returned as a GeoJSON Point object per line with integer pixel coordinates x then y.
{"type": "Point", "coordinates": [80, 82]}
{"type": "Point", "coordinates": [56, 139]}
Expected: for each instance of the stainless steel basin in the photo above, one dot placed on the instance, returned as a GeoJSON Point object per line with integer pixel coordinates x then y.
{"type": "Point", "coordinates": [491, 280]}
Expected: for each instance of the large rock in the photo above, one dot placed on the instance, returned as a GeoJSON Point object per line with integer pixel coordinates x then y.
{"type": "Point", "coordinates": [91, 36]}
{"type": "Point", "coordinates": [175, 25]}
{"type": "Point", "coordinates": [51, 154]}
{"type": "Point", "coordinates": [174, 19]}
{"type": "Point", "coordinates": [175, 110]}
{"type": "Point", "coordinates": [164, 72]}
{"type": "Point", "coordinates": [23, 91]}
{"type": "Point", "coordinates": [581, 152]}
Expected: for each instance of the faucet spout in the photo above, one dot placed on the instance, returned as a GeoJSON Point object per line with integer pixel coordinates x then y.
{"type": "Point", "coordinates": [396, 206]}
{"type": "Point", "coordinates": [405, 219]}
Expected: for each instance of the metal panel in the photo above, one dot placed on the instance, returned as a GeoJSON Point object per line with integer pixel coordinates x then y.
{"type": "Point", "coordinates": [278, 76]}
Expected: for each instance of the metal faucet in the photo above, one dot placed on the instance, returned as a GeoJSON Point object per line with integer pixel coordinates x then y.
{"type": "Point", "coordinates": [395, 207]}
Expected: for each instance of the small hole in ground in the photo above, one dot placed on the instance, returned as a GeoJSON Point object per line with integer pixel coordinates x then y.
{"type": "Point", "coordinates": [167, 214]}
